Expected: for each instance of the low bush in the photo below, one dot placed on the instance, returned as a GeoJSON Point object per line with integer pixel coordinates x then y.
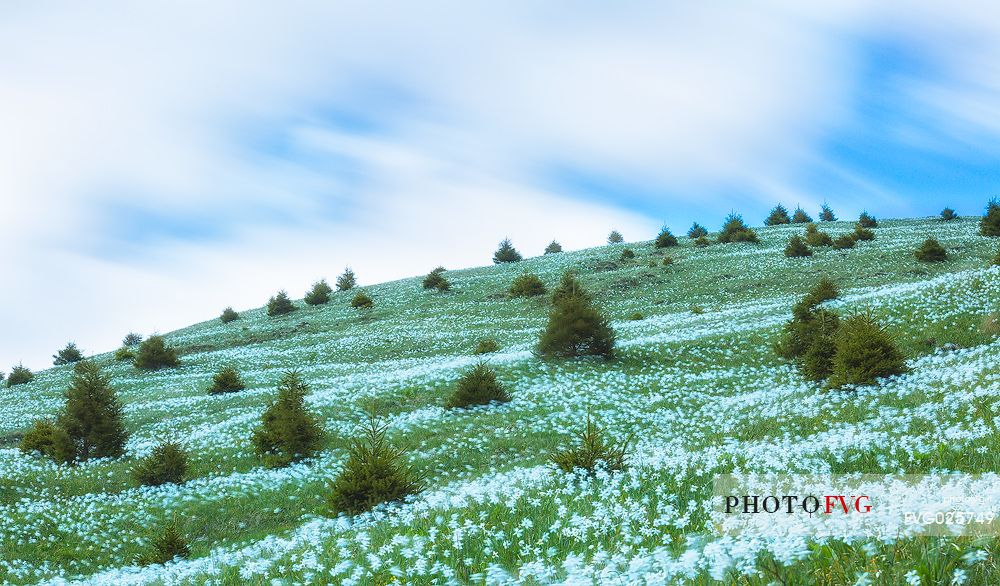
{"type": "Point", "coordinates": [593, 451]}
{"type": "Point", "coordinates": [124, 353]}
{"type": "Point", "coordinates": [154, 354]}
{"type": "Point", "coordinates": [627, 254]}
{"type": "Point", "coordinates": [816, 237]}
{"type": "Point", "coordinates": [228, 315]}
{"type": "Point", "coordinates": [797, 247]}
{"type": "Point", "coordinates": [486, 346]}
{"type": "Point", "coordinates": [166, 464]}
{"type": "Point", "coordinates": [637, 316]}
{"type": "Point", "coordinates": [862, 234]}
{"type": "Point", "coordinates": [479, 386]}
{"type": "Point", "coordinates": [668, 260]}
{"type": "Point", "coordinates": [865, 352]}
{"type": "Point", "coordinates": [49, 439]}
{"type": "Point", "coordinates": [226, 380]}
{"type": "Point", "coordinates": [931, 251]}
{"type": "Point", "coordinates": [844, 242]}
{"type": "Point", "coordinates": [702, 241]}
{"type": "Point", "coordinates": [527, 285]}
{"type": "Point", "coordinates": [362, 300]}
{"type": "Point", "coordinates": [168, 546]}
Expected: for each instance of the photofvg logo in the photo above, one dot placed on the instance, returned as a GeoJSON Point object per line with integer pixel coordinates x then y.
{"type": "Point", "coordinates": [879, 506]}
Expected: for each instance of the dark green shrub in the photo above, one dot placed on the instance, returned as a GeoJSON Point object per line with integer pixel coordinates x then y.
{"type": "Point", "coordinates": [527, 285]}
{"type": "Point", "coordinates": [668, 260]}
{"type": "Point", "coordinates": [593, 451]}
{"type": "Point", "coordinates": [665, 238]}
{"type": "Point", "coordinates": [576, 328]}
{"type": "Point", "coordinates": [553, 247]}
{"type": "Point", "coordinates": [318, 295]}
{"type": "Point", "coordinates": [824, 290]}
{"type": "Point", "coordinates": [375, 473]}
{"type": "Point", "coordinates": [479, 386]}
{"type": "Point", "coordinates": [506, 253]}
{"type": "Point", "coordinates": [67, 355]}
{"type": "Point", "coordinates": [347, 280]}
{"type": "Point", "coordinates": [228, 315]}
{"type": "Point", "coordinates": [862, 234]}
{"type": "Point", "coordinates": [615, 237]}
{"type": "Point", "coordinates": [826, 214]}
{"type": "Point", "coordinates": [735, 230]}
{"type": "Point", "coordinates": [486, 346]}
{"type": "Point", "coordinates": [168, 546]}
{"type": "Point", "coordinates": [227, 380]}
{"type": "Point", "coordinates": [989, 225]}
{"type": "Point", "coordinates": [124, 353]}
{"type": "Point", "coordinates": [865, 352]}
{"type": "Point", "coordinates": [797, 247]}
{"type": "Point", "coordinates": [280, 304]}
{"type": "Point", "coordinates": [866, 220]}
{"type": "Point", "coordinates": [166, 464]}
{"type": "Point", "coordinates": [996, 259]}
{"type": "Point", "coordinates": [627, 254]}
{"type": "Point", "coordinates": [931, 251]}
{"type": "Point", "coordinates": [801, 217]}
{"type": "Point", "coordinates": [92, 416]}
{"type": "Point", "coordinates": [701, 241]}
{"type": "Point", "coordinates": [637, 316]}
{"type": "Point", "coordinates": [948, 214]}
{"type": "Point", "coordinates": [697, 231]}
{"type": "Point", "coordinates": [362, 300]}
{"type": "Point", "coordinates": [844, 242]}
{"type": "Point", "coordinates": [132, 339]}
{"type": "Point", "coordinates": [779, 215]}
{"type": "Point", "coordinates": [568, 287]}
{"type": "Point", "coordinates": [288, 431]}
{"type": "Point", "coordinates": [815, 237]}
{"type": "Point", "coordinates": [817, 334]}
{"type": "Point", "coordinates": [19, 375]}
{"type": "Point", "coordinates": [50, 440]}
{"type": "Point", "coordinates": [154, 354]}
{"type": "Point", "coordinates": [436, 280]}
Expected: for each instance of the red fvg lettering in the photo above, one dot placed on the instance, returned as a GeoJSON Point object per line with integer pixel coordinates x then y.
{"type": "Point", "coordinates": [855, 503]}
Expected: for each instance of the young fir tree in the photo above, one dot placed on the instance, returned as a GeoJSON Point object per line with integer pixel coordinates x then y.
{"type": "Point", "coordinates": [801, 217]}
{"type": "Point", "coordinates": [506, 253]}
{"type": "Point", "coordinates": [319, 294]}
{"type": "Point", "coordinates": [779, 215]}
{"type": "Point", "coordinates": [49, 439]}
{"type": "Point", "coordinates": [362, 300]}
{"type": "Point", "coordinates": [553, 247]}
{"type": "Point", "coordinates": [154, 354]}
{"type": "Point", "coordinates": [701, 241]}
{"type": "Point", "coordinates": [797, 247]}
{"type": "Point", "coordinates": [568, 287]}
{"type": "Point", "coordinates": [866, 220]}
{"type": "Point", "coordinates": [228, 315]}
{"type": "Point", "coordinates": [931, 251]}
{"type": "Point", "coordinates": [19, 375]}
{"type": "Point", "coordinates": [132, 339]}
{"type": "Point", "coordinates": [347, 280]}
{"type": "Point", "coordinates": [735, 230]}
{"type": "Point", "coordinates": [995, 262]}
{"type": "Point", "coordinates": [288, 431]}
{"type": "Point", "coordinates": [862, 234]}
{"type": "Point", "coordinates": [627, 254]}
{"type": "Point", "coordinates": [989, 225]}
{"type": "Point", "coordinates": [665, 238]}
{"type": "Point", "coordinates": [375, 473]}
{"type": "Point", "coordinates": [436, 280]}
{"type": "Point", "coordinates": [168, 546]}
{"type": "Point", "coordinates": [948, 214]}
{"type": "Point", "coordinates": [816, 237]}
{"type": "Point", "coordinates": [527, 285]}
{"type": "Point", "coordinates": [575, 327]}
{"type": "Point", "coordinates": [865, 352]}
{"type": "Point", "coordinates": [808, 338]}
{"type": "Point", "coordinates": [67, 355]}
{"type": "Point", "coordinates": [826, 214]}
{"type": "Point", "coordinates": [615, 237]}
{"type": "Point", "coordinates": [697, 231]}
{"type": "Point", "coordinates": [226, 380]}
{"type": "Point", "coordinates": [844, 242]}
{"type": "Point", "coordinates": [92, 416]}
{"type": "Point", "coordinates": [593, 451]}
{"type": "Point", "coordinates": [124, 353]}
{"type": "Point", "coordinates": [479, 386]}
{"type": "Point", "coordinates": [166, 464]}
{"type": "Point", "coordinates": [280, 304]}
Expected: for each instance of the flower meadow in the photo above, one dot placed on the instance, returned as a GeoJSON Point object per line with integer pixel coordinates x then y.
{"type": "Point", "coordinates": [695, 388]}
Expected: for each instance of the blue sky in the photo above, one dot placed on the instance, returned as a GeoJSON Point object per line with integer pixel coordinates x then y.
{"type": "Point", "coordinates": [158, 167]}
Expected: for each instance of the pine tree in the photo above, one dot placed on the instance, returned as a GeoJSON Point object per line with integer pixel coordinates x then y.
{"type": "Point", "coordinates": [527, 285]}
{"type": "Point", "coordinates": [19, 375]}
{"type": "Point", "coordinates": [996, 262]}
{"type": "Point", "coordinates": [553, 248]}
{"type": "Point", "coordinates": [374, 473]}
{"type": "Point", "coordinates": [735, 230]}
{"type": "Point", "coordinates": [989, 225]}
{"type": "Point", "coordinates": [801, 217]}
{"type": "Point", "coordinates": [797, 247]}
{"type": "Point", "coordinates": [816, 362]}
{"type": "Point", "coordinates": [318, 295]}
{"type": "Point", "coordinates": [948, 214]}
{"type": "Point", "coordinates": [576, 328]}
{"type": "Point", "coordinates": [697, 231]}
{"type": "Point", "coordinates": [361, 300]}
{"type": "Point", "coordinates": [615, 237]}
{"type": "Point", "coordinates": [166, 464]}
{"type": "Point", "coordinates": [815, 237]}
{"type": "Point", "coordinates": [931, 251]}
{"type": "Point", "coordinates": [864, 352]}
{"type": "Point", "coordinates": [568, 287]}
{"type": "Point", "coordinates": [49, 439]}
{"type": "Point", "coordinates": [226, 380]}
{"type": "Point", "coordinates": [67, 355]}
{"type": "Point", "coordinates": [92, 416]}
{"type": "Point", "coordinates": [154, 354]}
{"type": "Point", "coordinates": [779, 215]}
{"type": "Point", "coordinates": [824, 290]}
{"type": "Point", "coordinates": [132, 339]}
{"type": "Point", "coordinates": [843, 242]}
{"type": "Point", "coordinates": [701, 241]}
{"type": "Point", "coordinates": [436, 280]}
{"type": "Point", "coordinates": [627, 254]}
{"type": "Point", "coordinates": [479, 386]}
{"type": "Point", "coordinates": [593, 451]}
{"type": "Point", "coordinates": [280, 304]}
{"type": "Point", "coordinates": [347, 280]}
{"type": "Point", "coordinates": [665, 238]}
{"type": "Point", "coordinates": [862, 234]}
{"type": "Point", "coordinates": [228, 315]}
{"type": "Point", "coordinates": [288, 431]}
{"type": "Point", "coordinates": [170, 545]}
{"type": "Point", "coordinates": [826, 214]}
{"type": "Point", "coordinates": [866, 220]}
{"type": "Point", "coordinates": [506, 253]}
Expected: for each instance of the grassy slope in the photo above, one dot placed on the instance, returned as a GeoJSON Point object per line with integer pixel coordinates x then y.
{"type": "Point", "coordinates": [702, 392]}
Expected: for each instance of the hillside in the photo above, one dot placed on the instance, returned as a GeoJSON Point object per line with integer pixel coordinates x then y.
{"type": "Point", "coordinates": [696, 384]}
